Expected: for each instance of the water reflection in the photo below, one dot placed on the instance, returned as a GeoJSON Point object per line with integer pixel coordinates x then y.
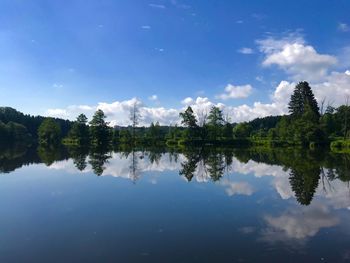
{"type": "Point", "coordinates": [275, 199]}
{"type": "Point", "coordinates": [296, 172]}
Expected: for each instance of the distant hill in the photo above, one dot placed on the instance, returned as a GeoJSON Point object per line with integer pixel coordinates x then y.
{"type": "Point", "coordinates": [32, 123]}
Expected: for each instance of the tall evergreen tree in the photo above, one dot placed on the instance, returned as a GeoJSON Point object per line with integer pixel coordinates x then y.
{"type": "Point", "coordinates": [301, 96]}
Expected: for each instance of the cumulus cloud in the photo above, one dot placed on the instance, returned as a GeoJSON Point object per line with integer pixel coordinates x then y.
{"type": "Point", "coordinates": [295, 57]}
{"type": "Point", "coordinates": [187, 101]}
{"type": "Point", "coordinates": [235, 92]}
{"type": "Point", "coordinates": [118, 112]}
{"type": "Point", "coordinates": [245, 51]}
{"type": "Point", "coordinates": [278, 105]}
{"type": "Point", "coordinates": [71, 112]}
{"type": "Point", "coordinates": [335, 88]}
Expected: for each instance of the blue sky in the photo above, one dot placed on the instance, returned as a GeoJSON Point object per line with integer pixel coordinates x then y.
{"type": "Point", "coordinates": [61, 57]}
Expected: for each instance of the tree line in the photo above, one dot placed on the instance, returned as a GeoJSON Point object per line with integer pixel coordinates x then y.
{"type": "Point", "coordinates": [306, 124]}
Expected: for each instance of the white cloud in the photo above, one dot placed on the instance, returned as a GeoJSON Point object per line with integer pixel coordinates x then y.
{"type": "Point", "coordinates": [343, 27]}
{"type": "Point", "coordinates": [157, 6]}
{"type": "Point", "coordinates": [260, 79]}
{"type": "Point", "coordinates": [299, 224]}
{"type": "Point", "coordinates": [146, 27]}
{"type": "Point", "coordinates": [335, 89]}
{"type": "Point", "coordinates": [295, 57]}
{"type": "Point", "coordinates": [59, 113]}
{"type": "Point", "coordinates": [57, 86]}
{"type": "Point", "coordinates": [246, 51]}
{"type": "Point", "coordinates": [153, 97]}
{"type": "Point", "coordinates": [179, 5]}
{"type": "Point", "coordinates": [118, 112]}
{"type": "Point", "coordinates": [236, 188]}
{"type": "Point", "coordinates": [187, 101]}
{"type": "Point", "coordinates": [71, 112]}
{"type": "Point", "coordinates": [299, 60]}
{"type": "Point", "coordinates": [235, 92]}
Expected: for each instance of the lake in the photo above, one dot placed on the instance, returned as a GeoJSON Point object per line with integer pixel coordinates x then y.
{"type": "Point", "coordinates": [158, 205]}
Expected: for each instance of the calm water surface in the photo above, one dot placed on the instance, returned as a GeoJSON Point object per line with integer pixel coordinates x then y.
{"type": "Point", "coordinates": [202, 205]}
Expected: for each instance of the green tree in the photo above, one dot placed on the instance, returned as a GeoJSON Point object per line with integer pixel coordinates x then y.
{"type": "Point", "coordinates": [189, 120]}
{"type": "Point", "coordinates": [227, 131]}
{"type": "Point", "coordinates": [99, 130]}
{"type": "Point", "coordinates": [242, 130]}
{"type": "Point", "coordinates": [154, 133]}
{"type": "Point", "coordinates": [283, 128]}
{"type": "Point", "coordinates": [301, 97]}
{"type": "Point", "coordinates": [342, 117]}
{"type": "Point", "coordinates": [125, 136]}
{"type": "Point", "coordinates": [49, 132]}
{"type": "Point", "coordinates": [215, 123]}
{"type": "Point", "coordinates": [80, 131]}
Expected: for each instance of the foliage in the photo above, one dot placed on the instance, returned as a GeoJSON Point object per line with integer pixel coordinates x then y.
{"type": "Point", "coordinates": [301, 98]}
{"type": "Point", "coordinates": [80, 131]}
{"type": "Point", "coordinates": [215, 123]}
{"type": "Point", "coordinates": [99, 131]}
{"type": "Point", "coordinates": [49, 132]}
{"type": "Point", "coordinates": [32, 123]}
{"type": "Point", "coordinates": [242, 130]}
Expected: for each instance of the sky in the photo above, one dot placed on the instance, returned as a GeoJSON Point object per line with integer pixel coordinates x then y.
{"type": "Point", "coordinates": [63, 58]}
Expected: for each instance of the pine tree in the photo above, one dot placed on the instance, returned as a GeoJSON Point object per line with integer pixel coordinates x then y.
{"type": "Point", "coordinates": [301, 97]}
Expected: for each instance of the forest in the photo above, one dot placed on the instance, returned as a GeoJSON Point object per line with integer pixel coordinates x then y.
{"type": "Point", "coordinates": [307, 125]}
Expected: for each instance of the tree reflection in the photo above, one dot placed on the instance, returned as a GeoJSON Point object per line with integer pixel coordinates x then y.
{"type": "Point", "coordinates": [190, 165]}
{"type": "Point", "coordinates": [134, 172]}
{"type": "Point", "coordinates": [16, 156]}
{"type": "Point", "coordinates": [79, 156]}
{"type": "Point", "coordinates": [209, 162]}
{"type": "Point", "coordinates": [304, 184]}
{"type": "Point", "coordinates": [97, 159]}
{"type": "Point", "coordinates": [51, 154]}
{"type": "Point", "coordinates": [307, 169]}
